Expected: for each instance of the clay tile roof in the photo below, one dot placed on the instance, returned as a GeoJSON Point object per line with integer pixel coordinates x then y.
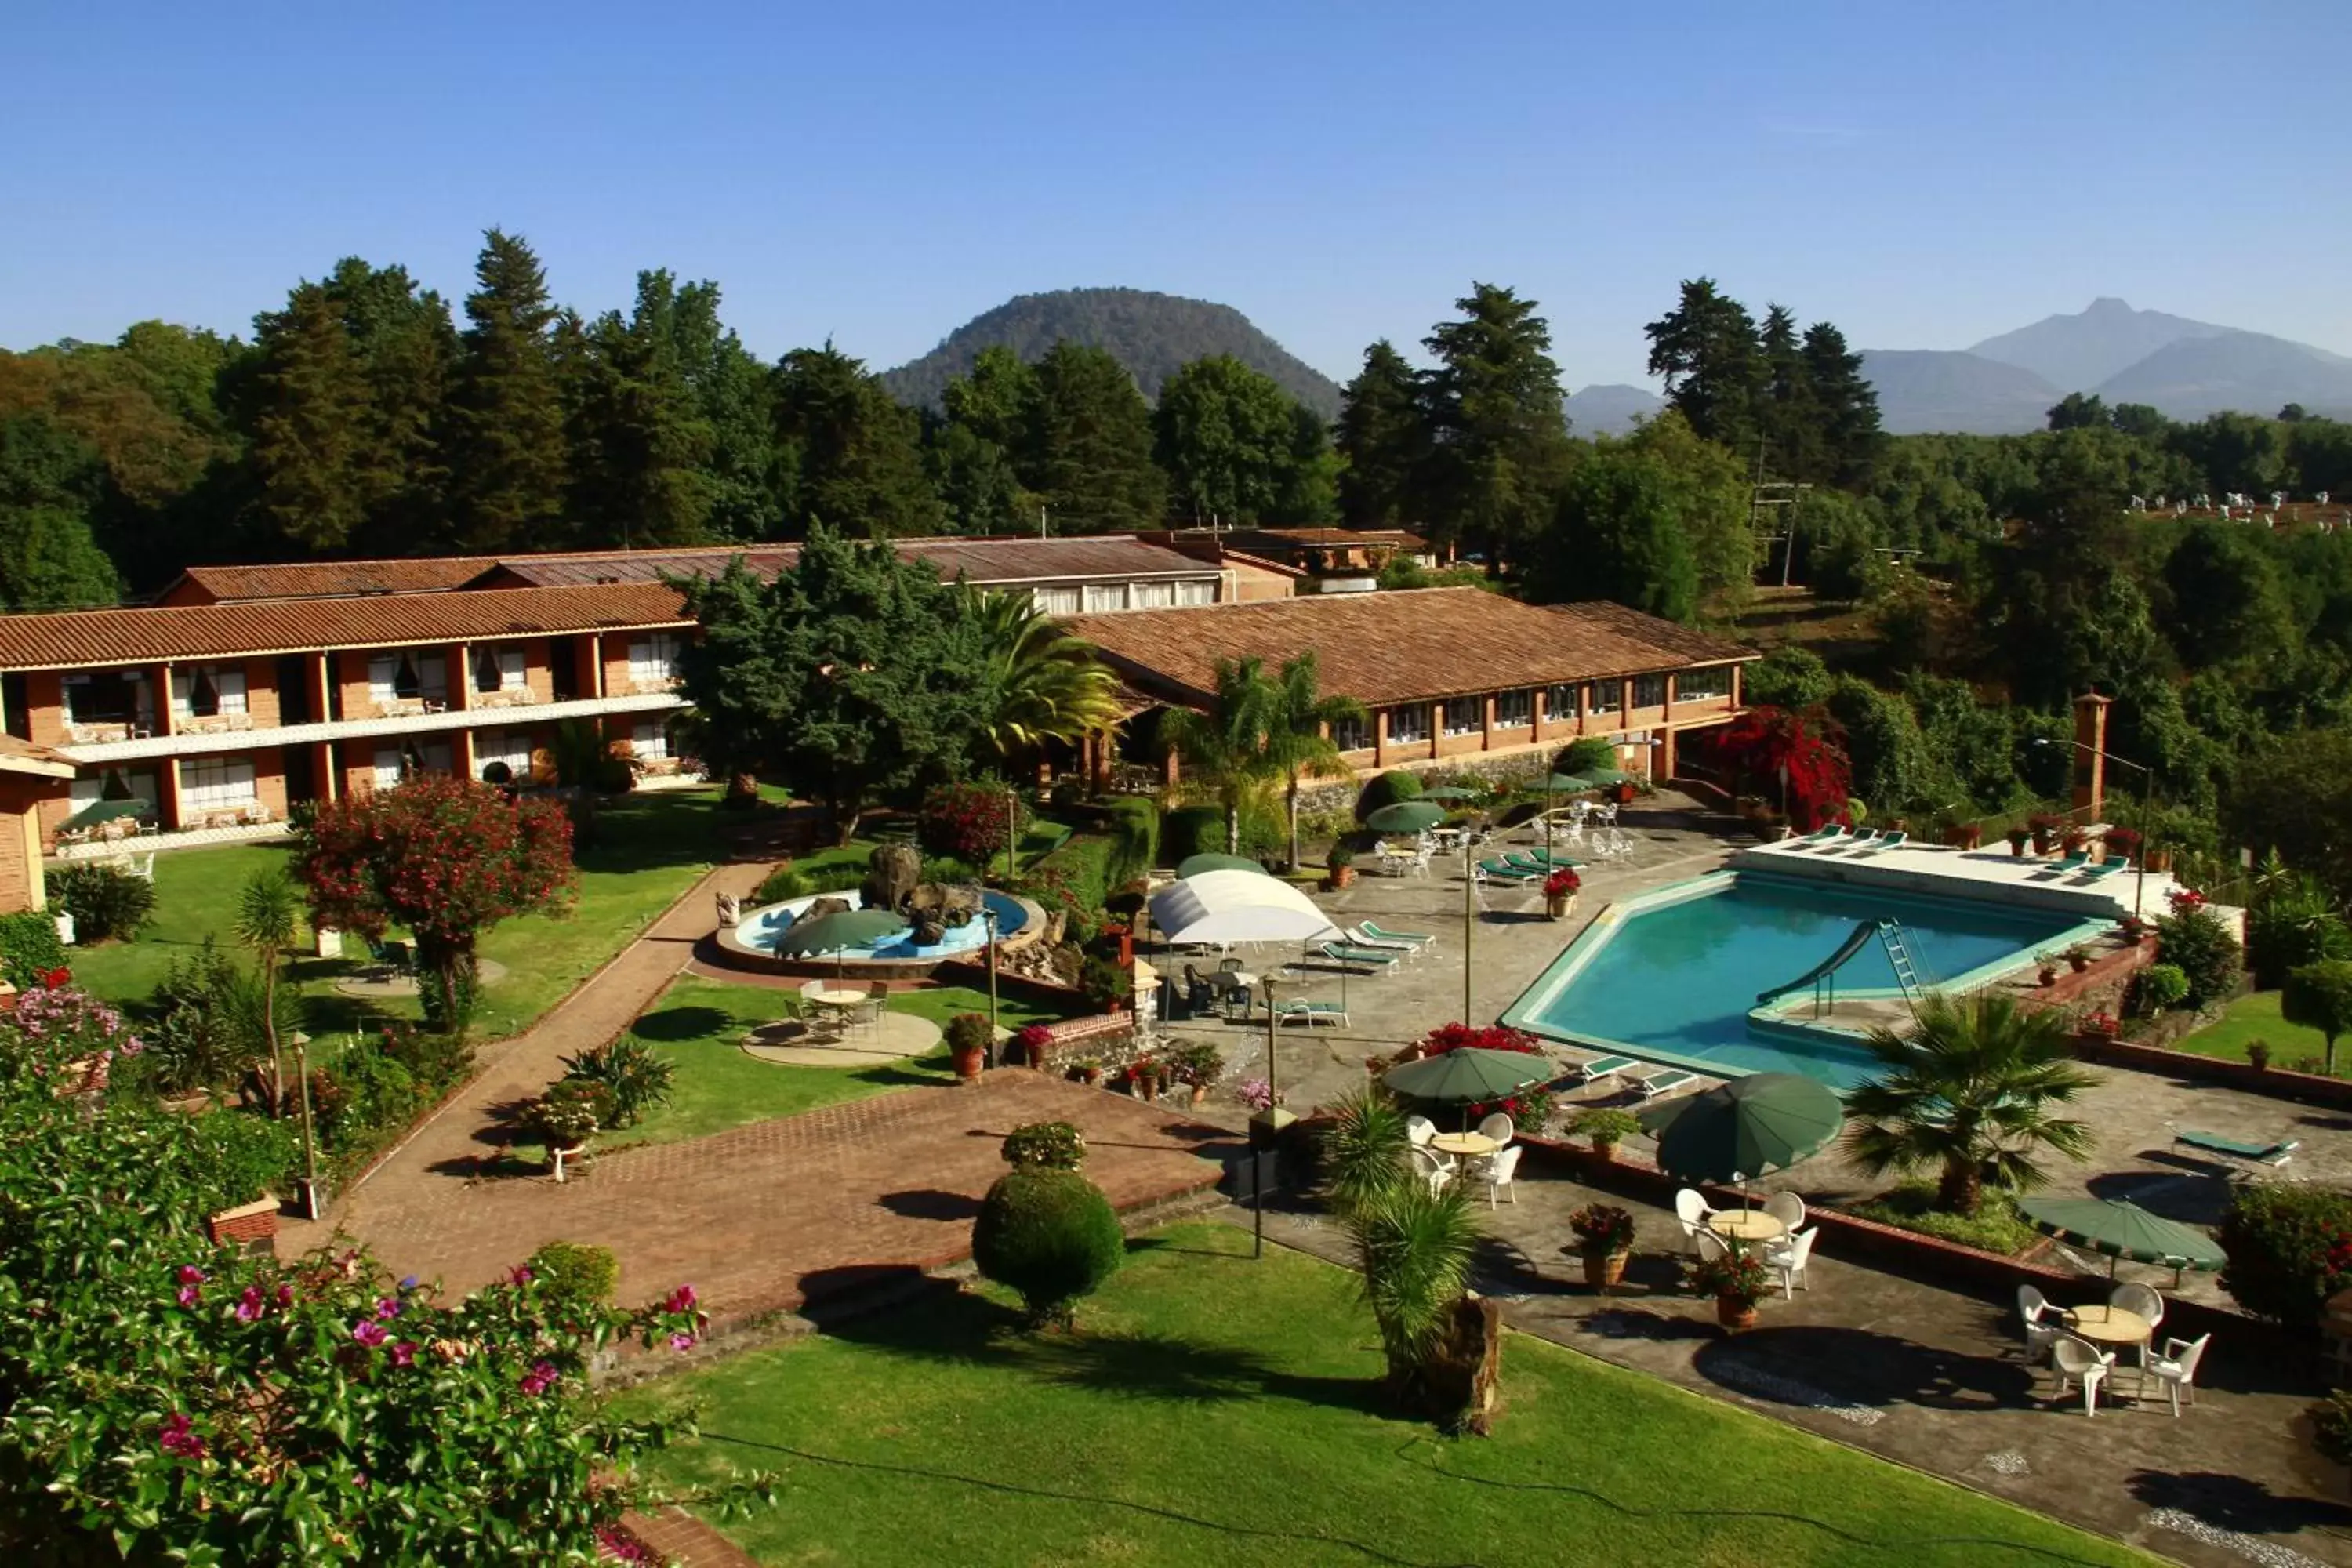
{"type": "Point", "coordinates": [323, 579]}
{"type": "Point", "coordinates": [1047, 560]}
{"type": "Point", "coordinates": [79, 637]}
{"type": "Point", "coordinates": [1398, 647]}
{"type": "Point", "coordinates": [588, 568]}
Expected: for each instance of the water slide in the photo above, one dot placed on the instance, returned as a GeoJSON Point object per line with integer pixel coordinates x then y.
{"type": "Point", "coordinates": [1863, 934]}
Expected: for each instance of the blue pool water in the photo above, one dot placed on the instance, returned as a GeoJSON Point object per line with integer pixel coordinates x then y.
{"type": "Point", "coordinates": [1679, 978]}
{"type": "Point", "coordinates": [761, 927]}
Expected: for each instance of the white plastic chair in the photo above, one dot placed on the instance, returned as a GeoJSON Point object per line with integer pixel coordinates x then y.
{"type": "Point", "coordinates": [2133, 1297]}
{"type": "Point", "coordinates": [1789, 1209]}
{"type": "Point", "coordinates": [1788, 1258]}
{"type": "Point", "coordinates": [1420, 1130]}
{"type": "Point", "coordinates": [2177, 1368]}
{"type": "Point", "coordinates": [2073, 1360]}
{"type": "Point", "coordinates": [1498, 1127]}
{"type": "Point", "coordinates": [1711, 1246]}
{"type": "Point", "coordinates": [2034, 1307]}
{"type": "Point", "coordinates": [1431, 1169]}
{"type": "Point", "coordinates": [1497, 1170]}
{"type": "Point", "coordinates": [1693, 1209]}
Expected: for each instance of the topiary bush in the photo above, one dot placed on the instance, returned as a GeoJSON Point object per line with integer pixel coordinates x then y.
{"type": "Point", "coordinates": [1387, 789]}
{"type": "Point", "coordinates": [2159, 986]}
{"type": "Point", "coordinates": [1049, 1235]}
{"type": "Point", "coordinates": [2290, 1248]}
{"type": "Point", "coordinates": [105, 903]}
{"type": "Point", "coordinates": [29, 948]}
{"type": "Point", "coordinates": [576, 1273]}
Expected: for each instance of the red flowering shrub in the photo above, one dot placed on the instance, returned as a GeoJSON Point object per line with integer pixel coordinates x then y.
{"type": "Point", "coordinates": [1758, 745]}
{"type": "Point", "coordinates": [1494, 1038]}
{"type": "Point", "coordinates": [445, 857]}
{"type": "Point", "coordinates": [972, 822]}
{"type": "Point", "coordinates": [2290, 1248]}
{"type": "Point", "coordinates": [1561, 883]}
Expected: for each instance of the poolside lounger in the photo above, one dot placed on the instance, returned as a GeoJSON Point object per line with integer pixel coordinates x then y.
{"type": "Point", "coordinates": [1599, 1068]}
{"type": "Point", "coordinates": [2237, 1148]}
{"type": "Point", "coordinates": [1357, 936]}
{"type": "Point", "coordinates": [2105, 869]}
{"type": "Point", "coordinates": [1822, 834]}
{"type": "Point", "coordinates": [1310, 1013]}
{"type": "Point", "coordinates": [1890, 841]}
{"type": "Point", "coordinates": [1417, 938]}
{"type": "Point", "coordinates": [1663, 1081]}
{"type": "Point", "coordinates": [2074, 862]}
{"type": "Point", "coordinates": [1347, 952]}
{"type": "Point", "coordinates": [1504, 871]}
{"type": "Point", "coordinates": [1544, 860]}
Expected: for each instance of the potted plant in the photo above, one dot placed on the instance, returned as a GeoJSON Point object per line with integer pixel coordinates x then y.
{"type": "Point", "coordinates": [1106, 985]}
{"type": "Point", "coordinates": [968, 1038]}
{"type": "Point", "coordinates": [2044, 828]}
{"type": "Point", "coordinates": [564, 1118]}
{"type": "Point", "coordinates": [1143, 1078]}
{"type": "Point", "coordinates": [2046, 967]}
{"type": "Point", "coordinates": [2072, 841]}
{"type": "Point", "coordinates": [2258, 1054]}
{"type": "Point", "coordinates": [1604, 1237]}
{"type": "Point", "coordinates": [1198, 1065]}
{"type": "Point", "coordinates": [1090, 1071]}
{"type": "Point", "coordinates": [1606, 1126]}
{"type": "Point", "coordinates": [2017, 839]}
{"type": "Point", "coordinates": [1623, 793]}
{"type": "Point", "coordinates": [1559, 892]}
{"type": "Point", "coordinates": [1738, 1281]}
{"type": "Point", "coordinates": [2077, 957]}
{"type": "Point", "coordinates": [2122, 843]}
{"type": "Point", "coordinates": [2131, 928]}
{"type": "Point", "coordinates": [1034, 1040]}
{"type": "Point", "coordinates": [1339, 863]}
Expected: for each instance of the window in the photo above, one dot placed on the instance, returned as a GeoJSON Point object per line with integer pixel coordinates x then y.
{"type": "Point", "coordinates": [1350, 734]}
{"type": "Point", "coordinates": [1408, 725]}
{"type": "Point", "coordinates": [387, 767]}
{"type": "Point", "coordinates": [1056, 601]}
{"type": "Point", "coordinates": [1465, 715]}
{"type": "Point", "coordinates": [1559, 704]}
{"type": "Point", "coordinates": [107, 697]}
{"type": "Point", "coordinates": [1514, 709]}
{"type": "Point", "coordinates": [1703, 685]}
{"type": "Point", "coordinates": [1106, 596]}
{"type": "Point", "coordinates": [511, 747]}
{"type": "Point", "coordinates": [113, 784]}
{"type": "Point", "coordinates": [498, 670]}
{"type": "Point", "coordinates": [1201, 592]}
{"type": "Point", "coordinates": [433, 677]}
{"type": "Point", "coordinates": [215, 783]}
{"type": "Point", "coordinates": [384, 674]}
{"type": "Point", "coordinates": [653, 660]}
{"type": "Point", "coordinates": [1649, 691]}
{"type": "Point", "coordinates": [650, 739]}
{"type": "Point", "coordinates": [1153, 595]}
{"type": "Point", "coordinates": [1608, 696]}
{"type": "Point", "coordinates": [207, 691]}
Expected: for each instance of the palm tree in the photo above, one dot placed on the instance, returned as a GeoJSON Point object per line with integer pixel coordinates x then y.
{"type": "Point", "coordinates": [1414, 1248]}
{"type": "Point", "coordinates": [266, 915]}
{"type": "Point", "coordinates": [1226, 746]}
{"type": "Point", "coordinates": [1365, 1149]}
{"type": "Point", "coordinates": [1297, 744]}
{"type": "Point", "coordinates": [1048, 685]}
{"type": "Point", "coordinates": [1970, 1088]}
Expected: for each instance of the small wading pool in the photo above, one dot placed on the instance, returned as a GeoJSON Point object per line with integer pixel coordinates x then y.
{"type": "Point", "coordinates": [761, 929]}
{"type": "Point", "coordinates": [1671, 975]}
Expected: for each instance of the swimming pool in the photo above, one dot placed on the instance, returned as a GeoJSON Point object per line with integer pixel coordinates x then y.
{"type": "Point", "coordinates": [760, 928]}
{"type": "Point", "coordinates": [1672, 975]}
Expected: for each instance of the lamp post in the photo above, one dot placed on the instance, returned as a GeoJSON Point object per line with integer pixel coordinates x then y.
{"type": "Point", "coordinates": [2146, 789]}
{"type": "Point", "coordinates": [313, 1205]}
{"type": "Point", "coordinates": [1469, 925]}
{"type": "Point", "coordinates": [1266, 1127]}
{"type": "Point", "coordinates": [1012, 831]}
{"type": "Point", "coordinates": [988, 913]}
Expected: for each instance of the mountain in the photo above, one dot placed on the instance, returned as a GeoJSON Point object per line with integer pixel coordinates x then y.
{"type": "Point", "coordinates": [1922, 390]}
{"type": "Point", "coordinates": [2250, 372]}
{"type": "Point", "coordinates": [1153, 335]}
{"type": "Point", "coordinates": [1610, 409]}
{"type": "Point", "coordinates": [2077, 354]}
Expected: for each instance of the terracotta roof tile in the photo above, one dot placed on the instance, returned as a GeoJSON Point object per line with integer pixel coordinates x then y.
{"type": "Point", "coordinates": [1397, 647]}
{"type": "Point", "coordinates": [323, 579]}
{"type": "Point", "coordinates": [78, 638]}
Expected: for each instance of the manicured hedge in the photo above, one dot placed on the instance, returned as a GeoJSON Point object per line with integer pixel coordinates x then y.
{"type": "Point", "coordinates": [1050, 1235]}
{"type": "Point", "coordinates": [1388, 789]}
{"type": "Point", "coordinates": [29, 948]}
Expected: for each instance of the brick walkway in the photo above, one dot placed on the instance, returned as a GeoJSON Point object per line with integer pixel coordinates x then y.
{"type": "Point", "coordinates": [685, 1540]}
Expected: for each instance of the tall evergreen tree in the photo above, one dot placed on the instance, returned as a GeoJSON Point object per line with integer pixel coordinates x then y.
{"type": "Point", "coordinates": [733, 398]}
{"type": "Point", "coordinates": [506, 449]}
{"type": "Point", "coordinates": [848, 453]}
{"type": "Point", "coordinates": [1787, 425]}
{"type": "Point", "coordinates": [1498, 435]}
{"type": "Point", "coordinates": [640, 445]}
{"type": "Point", "coordinates": [1384, 438]}
{"type": "Point", "coordinates": [408, 350]}
{"type": "Point", "coordinates": [1087, 452]}
{"type": "Point", "coordinates": [50, 485]}
{"type": "Point", "coordinates": [1708, 352]}
{"type": "Point", "coordinates": [312, 410]}
{"type": "Point", "coordinates": [1228, 440]}
{"type": "Point", "coordinates": [972, 449]}
{"type": "Point", "coordinates": [1845, 406]}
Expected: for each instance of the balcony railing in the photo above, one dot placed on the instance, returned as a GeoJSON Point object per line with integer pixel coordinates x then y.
{"type": "Point", "coordinates": [361, 726]}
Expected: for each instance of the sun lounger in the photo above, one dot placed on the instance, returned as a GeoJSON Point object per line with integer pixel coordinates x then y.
{"type": "Point", "coordinates": [1543, 860]}
{"type": "Point", "coordinates": [1373, 957]}
{"type": "Point", "coordinates": [1660, 1080]}
{"type": "Point", "coordinates": [1889, 841]}
{"type": "Point", "coordinates": [2237, 1148]}
{"type": "Point", "coordinates": [1416, 938]}
{"type": "Point", "coordinates": [2107, 868]}
{"type": "Point", "coordinates": [1311, 1013]}
{"type": "Point", "coordinates": [1360, 937]}
{"type": "Point", "coordinates": [1504, 871]}
{"type": "Point", "coordinates": [2074, 862]}
{"type": "Point", "coordinates": [1597, 1068]}
{"type": "Point", "coordinates": [1824, 835]}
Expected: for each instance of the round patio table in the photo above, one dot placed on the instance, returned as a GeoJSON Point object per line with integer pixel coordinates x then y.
{"type": "Point", "coordinates": [1746, 1224]}
{"type": "Point", "coordinates": [2109, 1325]}
{"type": "Point", "coordinates": [1465, 1145]}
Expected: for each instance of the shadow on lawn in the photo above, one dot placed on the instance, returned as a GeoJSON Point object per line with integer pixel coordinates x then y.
{"type": "Point", "coordinates": [688, 1022]}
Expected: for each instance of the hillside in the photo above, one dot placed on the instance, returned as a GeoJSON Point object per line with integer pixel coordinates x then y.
{"type": "Point", "coordinates": [1153, 335]}
{"type": "Point", "coordinates": [1922, 390]}
{"type": "Point", "coordinates": [2075, 354]}
{"type": "Point", "coordinates": [1611, 408]}
{"type": "Point", "coordinates": [2244, 371]}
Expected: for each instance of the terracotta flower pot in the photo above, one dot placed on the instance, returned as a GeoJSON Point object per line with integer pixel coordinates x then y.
{"type": "Point", "coordinates": [2049, 975]}
{"type": "Point", "coordinates": [1341, 877]}
{"type": "Point", "coordinates": [968, 1065]}
{"type": "Point", "coordinates": [2078, 961]}
{"type": "Point", "coordinates": [1733, 1313]}
{"type": "Point", "coordinates": [1602, 1269]}
{"type": "Point", "coordinates": [1605, 1149]}
{"type": "Point", "coordinates": [1092, 1076]}
{"type": "Point", "coordinates": [1556, 907]}
{"type": "Point", "coordinates": [1200, 1093]}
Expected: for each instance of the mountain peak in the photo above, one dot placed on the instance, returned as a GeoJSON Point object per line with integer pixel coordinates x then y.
{"type": "Point", "coordinates": [2075, 354]}
{"type": "Point", "coordinates": [2108, 305]}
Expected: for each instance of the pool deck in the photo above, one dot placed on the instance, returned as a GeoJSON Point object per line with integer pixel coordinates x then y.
{"type": "Point", "coordinates": [2027, 882]}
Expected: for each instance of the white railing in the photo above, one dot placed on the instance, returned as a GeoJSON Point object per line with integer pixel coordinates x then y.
{"type": "Point", "coordinates": [123, 751]}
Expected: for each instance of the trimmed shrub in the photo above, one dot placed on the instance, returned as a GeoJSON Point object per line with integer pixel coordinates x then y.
{"type": "Point", "coordinates": [1131, 827]}
{"type": "Point", "coordinates": [2161, 986]}
{"type": "Point", "coordinates": [1387, 789]}
{"type": "Point", "coordinates": [105, 903]}
{"type": "Point", "coordinates": [29, 948]}
{"type": "Point", "coordinates": [1045, 1146]}
{"type": "Point", "coordinates": [1049, 1235]}
{"type": "Point", "coordinates": [1588, 754]}
{"type": "Point", "coordinates": [2197, 941]}
{"type": "Point", "coordinates": [576, 1273]}
{"type": "Point", "coordinates": [787, 882]}
{"type": "Point", "coordinates": [244, 1156]}
{"type": "Point", "coordinates": [1996, 1227]}
{"type": "Point", "coordinates": [1074, 877]}
{"type": "Point", "coordinates": [972, 822]}
{"type": "Point", "coordinates": [2290, 1248]}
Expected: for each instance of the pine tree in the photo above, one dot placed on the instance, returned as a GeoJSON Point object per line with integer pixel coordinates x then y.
{"type": "Point", "coordinates": [970, 449]}
{"type": "Point", "coordinates": [1845, 406]}
{"type": "Point", "coordinates": [1787, 423]}
{"type": "Point", "coordinates": [1384, 437]}
{"type": "Point", "coordinates": [639, 443]}
{"type": "Point", "coordinates": [848, 453]}
{"type": "Point", "coordinates": [1707, 350]}
{"type": "Point", "coordinates": [506, 449]}
{"type": "Point", "coordinates": [731, 393]}
{"type": "Point", "coordinates": [1498, 437]}
{"type": "Point", "coordinates": [1087, 447]}
{"type": "Point", "coordinates": [311, 425]}
{"type": "Point", "coordinates": [408, 352]}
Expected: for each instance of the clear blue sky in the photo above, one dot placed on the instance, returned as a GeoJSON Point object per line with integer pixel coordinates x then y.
{"type": "Point", "coordinates": [1923, 175]}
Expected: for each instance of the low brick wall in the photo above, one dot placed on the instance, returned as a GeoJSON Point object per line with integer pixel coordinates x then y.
{"type": "Point", "coordinates": [2279, 1083]}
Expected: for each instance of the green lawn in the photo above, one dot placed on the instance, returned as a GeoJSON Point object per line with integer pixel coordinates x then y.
{"type": "Point", "coordinates": [698, 1023]}
{"type": "Point", "coordinates": [650, 848]}
{"type": "Point", "coordinates": [1215, 1409]}
{"type": "Point", "coordinates": [2255, 1017]}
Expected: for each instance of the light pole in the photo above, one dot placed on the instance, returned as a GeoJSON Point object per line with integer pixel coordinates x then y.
{"type": "Point", "coordinates": [313, 1205]}
{"type": "Point", "coordinates": [988, 913]}
{"type": "Point", "coordinates": [1266, 1127]}
{"type": "Point", "coordinates": [2146, 789]}
{"type": "Point", "coordinates": [1469, 925]}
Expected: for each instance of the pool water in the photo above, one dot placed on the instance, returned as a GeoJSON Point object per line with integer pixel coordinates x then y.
{"type": "Point", "coordinates": [761, 927]}
{"type": "Point", "coordinates": [1678, 978]}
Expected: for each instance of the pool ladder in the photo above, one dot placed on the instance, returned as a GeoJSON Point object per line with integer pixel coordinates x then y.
{"type": "Point", "coordinates": [1899, 955]}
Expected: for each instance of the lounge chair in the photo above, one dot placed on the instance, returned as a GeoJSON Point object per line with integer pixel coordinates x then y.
{"type": "Point", "coordinates": [1504, 871]}
{"type": "Point", "coordinates": [2275, 1153]}
{"type": "Point", "coordinates": [2105, 869]}
{"type": "Point", "coordinates": [1416, 938]}
{"type": "Point", "coordinates": [1824, 835]}
{"type": "Point", "coordinates": [1310, 1013]}
{"type": "Point", "coordinates": [1597, 1068]}
{"type": "Point", "coordinates": [2067, 867]}
{"type": "Point", "coordinates": [1889, 841]}
{"type": "Point", "coordinates": [1660, 1080]}
{"type": "Point", "coordinates": [1543, 860]}
{"type": "Point", "coordinates": [1379, 959]}
{"type": "Point", "coordinates": [1363, 938]}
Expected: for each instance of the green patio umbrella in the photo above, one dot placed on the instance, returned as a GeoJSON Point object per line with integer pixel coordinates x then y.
{"type": "Point", "coordinates": [100, 811]}
{"type": "Point", "coordinates": [1406, 816]}
{"type": "Point", "coordinates": [1211, 861]}
{"type": "Point", "coordinates": [1448, 791]}
{"type": "Point", "coordinates": [1604, 777]}
{"type": "Point", "coordinates": [2122, 1229]}
{"type": "Point", "coordinates": [1467, 1076]}
{"type": "Point", "coordinates": [1568, 783]}
{"type": "Point", "coordinates": [1747, 1127]}
{"type": "Point", "coordinates": [837, 932]}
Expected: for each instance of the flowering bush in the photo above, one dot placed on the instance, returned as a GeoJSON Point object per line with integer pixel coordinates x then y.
{"type": "Point", "coordinates": [1494, 1038]}
{"type": "Point", "coordinates": [2290, 1248]}
{"type": "Point", "coordinates": [1034, 1040]}
{"type": "Point", "coordinates": [1258, 1095]}
{"type": "Point", "coordinates": [2184, 900]}
{"type": "Point", "coordinates": [1601, 1229]}
{"type": "Point", "coordinates": [1562, 883]}
{"type": "Point", "coordinates": [1738, 1274]}
{"type": "Point", "coordinates": [63, 1039]}
{"type": "Point", "coordinates": [1055, 1145]}
{"type": "Point", "coordinates": [972, 822]}
{"type": "Point", "coordinates": [1764, 744]}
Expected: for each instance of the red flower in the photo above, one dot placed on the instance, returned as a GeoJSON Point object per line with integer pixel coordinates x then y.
{"type": "Point", "coordinates": [176, 1438]}
{"type": "Point", "coordinates": [369, 1332]}
{"type": "Point", "coordinates": [681, 1299]}
{"type": "Point", "coordinates": [405, 1353]}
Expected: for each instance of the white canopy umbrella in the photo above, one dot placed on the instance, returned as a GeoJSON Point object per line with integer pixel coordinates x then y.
{"type": "Point", "coordinates": [1237, 906]}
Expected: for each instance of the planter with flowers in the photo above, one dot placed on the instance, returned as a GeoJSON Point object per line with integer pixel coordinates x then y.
{"type": "Point", "coordinates": [2018, 837]}
{"type": "Point", "coordinates": [1033, 1041]}
{"type": "Point", "coordinates": [1559, 892]}
{"type": "Point", "coordinates": [2045, 968]}
{"type": "Point", "coordinates": [2074, 841]}
{"type": "Point", "coordinates": [2122, 843]}
{"type": "Point", "coordinates": [1143, 1077]}
{"type": "Point", "coordinates": [1198, 1065]}
{"type": "Point", "coordinates": [1605, 1238]}
{"type": "Point", "coordinates": [2077, 957]}
{"type": "Point", "coordinates": [968, 1038]}
{"type": "Point", "coordinates": [2045, 828]}
{"type": "Point", "coordinates": [1340, 864]}
{"type": "Point", "coordinates": [1607, 1127]}
{"type": "Point", "coordinates": [1736, 1280]}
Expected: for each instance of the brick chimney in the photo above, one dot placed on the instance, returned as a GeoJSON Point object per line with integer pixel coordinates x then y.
{"type": "Point", "coordinates": [2090, 755]}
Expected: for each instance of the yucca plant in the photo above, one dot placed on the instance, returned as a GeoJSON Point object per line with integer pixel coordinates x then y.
{"type": "Point", "coordinates": [1413, 1247]}
{"type": "Point", "coordinates": [1366, 1150]}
